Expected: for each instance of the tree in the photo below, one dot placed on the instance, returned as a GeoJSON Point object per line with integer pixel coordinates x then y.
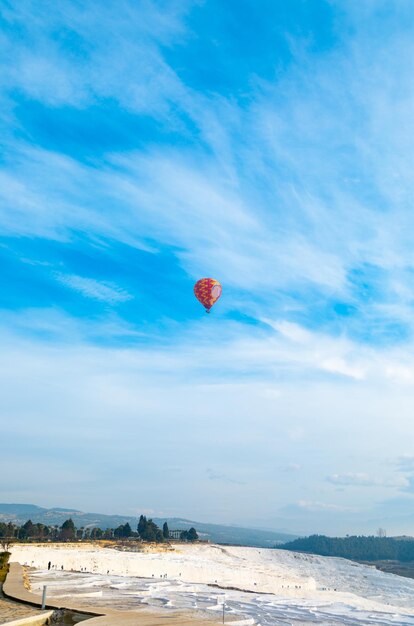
{"type": "Point", "coordinates": [41, 531]}
{"type": "Point", "coordinates": [7, 535]}
{"type": "Point", "coordinates": [354, 547]}
{"type": "Point", "coordinates": [142, 526]}
{"type": "Point", "coordinates": [68, 530]}
{"type": "Point", "coordinates": [192, 535]}
{"type": "Point", "coordinates": [127, 530]}
{"type": "Point", "coordinates": [119, 532]}
{"type": "Point", "coordinates": [189, 535]}
{"type": "Point", "coordinates": [165, 531]}
{"type": "Point", "coordinates": [148, 530]}
{"type": "Point", "coordinates": [5, 543]}
{"type": "Point", "coordinates": [55, 532]}
{"type": "Point", "coordinates": [96, 533]}
{"type": "Point", "coordinates": [153, 532]}
{"type": "Point", "coordinates": [27, 530]}
{"type": "Point", "coordinates": [123, 531]}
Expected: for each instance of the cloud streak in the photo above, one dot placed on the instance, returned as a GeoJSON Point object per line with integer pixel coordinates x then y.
{"type": "Point", "coordinates": [132, 167]}
{"type": "Point", "coordinates": [361, 479]}
{"type": "Point", "coordinates": [94, 289]}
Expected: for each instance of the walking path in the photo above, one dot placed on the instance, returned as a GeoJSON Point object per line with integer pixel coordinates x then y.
{"type": "Point", "coordinates": [10, 610]}
{"type": "Point", "coordinates": [100, 616]}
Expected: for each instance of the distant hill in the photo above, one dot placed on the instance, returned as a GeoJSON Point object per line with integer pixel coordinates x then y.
{"type": "Point", "coordinates": [20, 513]}
{"type": "Point", "coordinates": [230, 534]}
{"type": "Point", "coordinates": [11, 510]}
{"type": "Point", "coordinates": [356, 548]}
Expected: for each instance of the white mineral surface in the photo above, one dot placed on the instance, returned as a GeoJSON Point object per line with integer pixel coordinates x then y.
{"type": "Point", "coordinates": [258, 586]}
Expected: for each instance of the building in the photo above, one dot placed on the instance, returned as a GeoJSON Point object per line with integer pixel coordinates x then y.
{"type": "Point", "coordinates": [175, 534]}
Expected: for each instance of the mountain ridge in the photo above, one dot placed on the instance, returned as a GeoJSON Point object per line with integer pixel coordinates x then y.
{"type": "Point", "coordinates": [217, 533]}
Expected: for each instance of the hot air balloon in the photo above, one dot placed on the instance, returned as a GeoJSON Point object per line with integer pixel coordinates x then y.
{"type": "Point", "coordinates": [207, 291]}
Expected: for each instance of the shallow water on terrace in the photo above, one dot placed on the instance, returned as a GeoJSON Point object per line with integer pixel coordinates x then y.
{"type": "Point", "coordinates": [264, 609]}
{"type": "Point", "coordinates": [69, 618]}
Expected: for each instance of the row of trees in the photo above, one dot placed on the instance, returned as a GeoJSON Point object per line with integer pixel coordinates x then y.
{"type": "Point", "coordinates": [357, 548]}
{"type": "Point", "coordinates": [53, 533]}
{"type": "Point", "coordinates": [147, 530]}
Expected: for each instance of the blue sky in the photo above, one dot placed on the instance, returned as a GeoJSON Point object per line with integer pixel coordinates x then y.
{"type": "Point", "coordinates": [269, 145]}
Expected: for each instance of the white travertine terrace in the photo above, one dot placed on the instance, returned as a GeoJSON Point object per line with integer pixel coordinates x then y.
{"type": "Point", "coordinates": [281, 584]}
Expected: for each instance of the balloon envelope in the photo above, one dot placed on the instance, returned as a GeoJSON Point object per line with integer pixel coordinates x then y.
{"type": "Point", "coordinates": [207, 291]}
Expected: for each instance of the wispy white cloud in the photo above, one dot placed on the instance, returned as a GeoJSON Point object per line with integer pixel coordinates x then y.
{"type": "Point", "coordinates": [293, 467]}
{"type": "Point", "coordinates": [223, 478]}
{"type": "Point", "coordinates": [362, 479]}
{"type": "Point", "coordinates": [321, 506]}
{"type": "Point", "coordinates": [91, 288]}
{"type": "Point", "coordinates": [405, 463]}
{"type": "Point", "coordinates": [307, 216]}
{"type": "Point", "coordinates": [297, 197]}
{"type": "Point", "coordinates": [73, 69]}
{"type": "Point", "coordinates": [119, 396]}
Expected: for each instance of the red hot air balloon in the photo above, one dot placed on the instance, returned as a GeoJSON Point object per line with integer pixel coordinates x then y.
{"type": "Point", "coordinates": [207, 291]}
